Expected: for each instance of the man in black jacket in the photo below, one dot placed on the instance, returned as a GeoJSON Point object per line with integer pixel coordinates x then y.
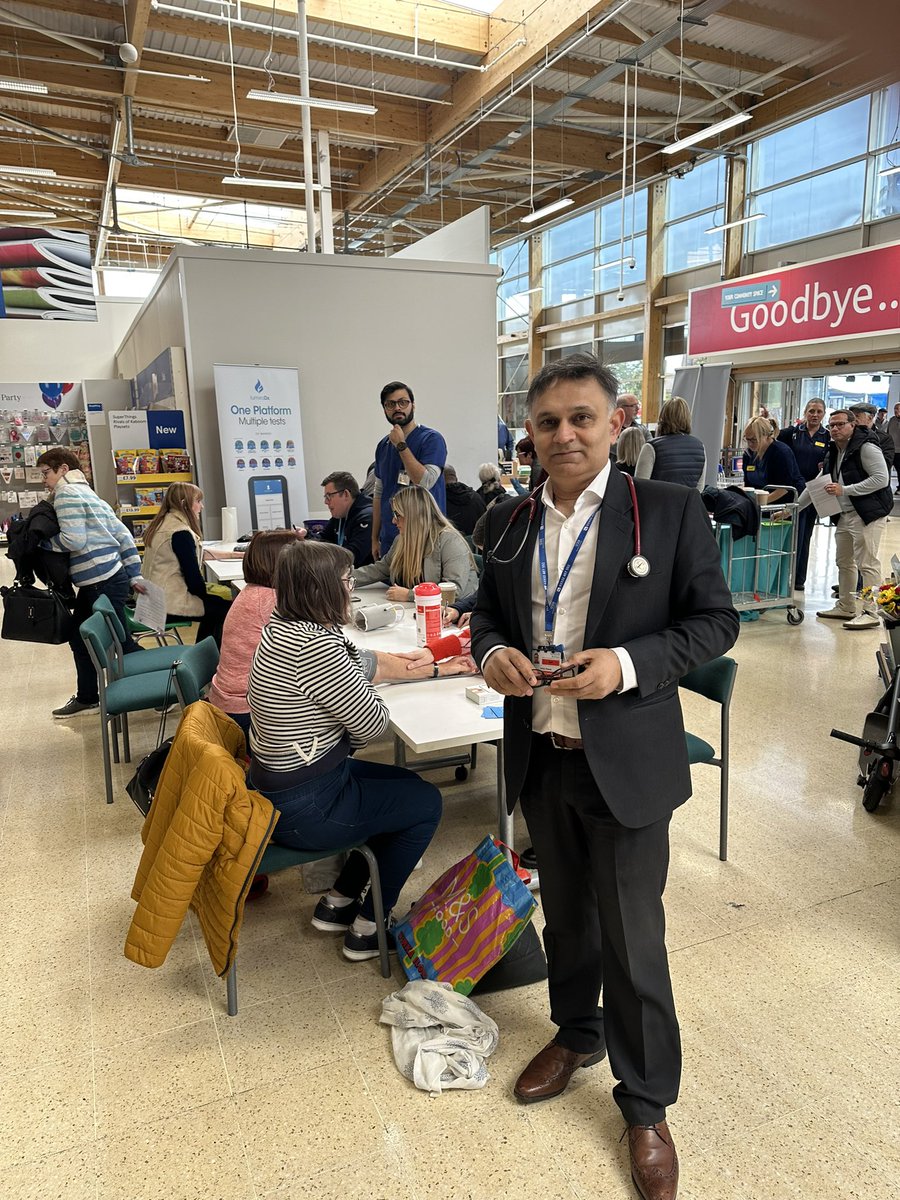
{"type": "Point", "coordinates": [865, 419]}
{"type": "Point", "coordinates": [464, 505]}
{"type": "Point", "coordinates": [351, 516]}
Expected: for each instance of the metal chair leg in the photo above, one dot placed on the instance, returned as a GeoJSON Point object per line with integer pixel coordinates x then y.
{"type": "Point", "coordinates": [378, 906]}
{"type": "Point", "coordinates": [126, 745]}
{"type": "Point", "coordinates": [231, 990]}
{"type": "Point", "coordinates": [105, 730]}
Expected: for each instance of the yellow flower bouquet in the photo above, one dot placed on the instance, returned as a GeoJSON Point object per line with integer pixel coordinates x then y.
{"type": "Point", "coordinates": [887, 598]}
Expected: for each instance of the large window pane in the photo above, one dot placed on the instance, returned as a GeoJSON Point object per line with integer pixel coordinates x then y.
{"type": "Point", "coordinates": [830, 137]}
{"type": "Point", "coordinates": [703, 188]}
{"type": "Point", "coordinates": [886, 117]}
{"type": "Point", "coordinates": [571, 237]}
{"type": "Point", "coordinates": [810, 207]}
{"type": "Point", "coordinates": [573, 280]}
{"type": "Point", "coordinates": [513, 259]}
{"type": "Point", "coordinates": [689, 245]}
{"type": "Point", "coordinates": [611, 218]}
{"type": "Point", "coordinates": [885, 189]}
{"type": "Point", "coordinates": [608, 280]}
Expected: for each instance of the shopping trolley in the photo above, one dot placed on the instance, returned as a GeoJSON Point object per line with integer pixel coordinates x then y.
{"type": "Point", "coordinates": [760, 569]}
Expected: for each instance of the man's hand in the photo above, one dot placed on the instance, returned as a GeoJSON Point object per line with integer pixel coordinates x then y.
{"type": "Point", "coordinates": [138, 586]}
{"type": "Point", "coordinates": [376, 549]}
{"type": "Point", "coordinates": [834, 489]}
{"type": "Point", "coordinates": [397, 594]}
{"type": "Point", "coordinates": [510, 673]}
{"type": "Point", "coordinates": [464, 620]}
{"type": "Point", "coordinates": [449, 616]}
{"type": "Point", "coordinates": [421, 657]}
{"type": "Point", "coordinates": [601, 676]}
{"type": "Point", "coordinates": [397, 435]}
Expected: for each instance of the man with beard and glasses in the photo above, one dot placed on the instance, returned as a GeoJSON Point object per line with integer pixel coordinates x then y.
{"type": "Point", "coordinates": [409, 454]}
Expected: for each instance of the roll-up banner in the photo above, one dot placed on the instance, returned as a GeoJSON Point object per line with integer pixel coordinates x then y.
{"type": "Point", "coordinates": [262, 445]}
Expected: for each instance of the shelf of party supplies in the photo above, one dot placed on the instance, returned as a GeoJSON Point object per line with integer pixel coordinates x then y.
{"type": "Point", "coordinates": [170, 477]}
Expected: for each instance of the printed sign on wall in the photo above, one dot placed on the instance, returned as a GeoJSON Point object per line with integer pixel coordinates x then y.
{"type": "Point", "coordinates": [849, 296]}
{"type": "Point", "coordinates": [46, 274]}
{"type": "Point", "coordinates": [262, 445]}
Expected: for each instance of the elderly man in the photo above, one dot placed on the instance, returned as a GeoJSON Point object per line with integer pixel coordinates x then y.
{"type": "Point", "coordinates": [864, 414]}
{"type": "Point", "coordinates": [629, 404]}
{"type": "Point", "coordinates": [568, 600]}
{"type": "Point", "coordinates": [860, 480]}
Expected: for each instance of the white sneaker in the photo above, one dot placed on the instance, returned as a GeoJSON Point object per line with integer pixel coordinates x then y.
{"type": "Point", "coordinates": [837, 614]}
{"type": "Point", "coordinates": [863, 621]}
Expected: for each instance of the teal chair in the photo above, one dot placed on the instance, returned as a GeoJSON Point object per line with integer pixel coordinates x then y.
{"type": "Point", "coordinates": [279, 858]}
{"type": "Point", "coordinates": [134, 693]}
{"type": "Point", "coordinates": [715, 681]}
{"type": "Point", "coordinates": [138, 631]}
{"type": "Point", "coordinates": [160, 658]}
{"type": "Point", "coordinates": [194, 670]}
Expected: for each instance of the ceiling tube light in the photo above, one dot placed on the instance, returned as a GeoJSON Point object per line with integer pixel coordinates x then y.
{"type": "Point", "coordinates": [32, 172]}
{"type": "Point", "coordinates": [311, 102]}
{"type": "Point", "coordinates": [735, 224]}
{"type": "Point", "coordinates": [255, 181]}
{"type": "Point", "coordinates": [889, 170]}
{"type": "Point", "coordinates": [23, 85]}
{"type": "Point", "coordinates": [540, 213]}
{"type": "Point", "coordinates": [711, 130]}
{"type": "Point", "coordinates": [618, 262]}
{"type": "Point", "coordinates": [27, 212]}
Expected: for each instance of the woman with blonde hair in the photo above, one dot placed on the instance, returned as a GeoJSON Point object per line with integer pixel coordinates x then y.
{"type": "Point", "coordinates": [427, 550]}
{"type": "Point", "coordinates": [628, 449]}
{"type": "Point", "coordinates": [172, 561]}
{"type": "Point", "coordinates": [769, 465]}
{"type": "Point", "coordinates": [674, 455]}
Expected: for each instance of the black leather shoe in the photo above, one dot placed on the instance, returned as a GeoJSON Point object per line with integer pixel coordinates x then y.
{"type": "Point", "coordinates": [654, 1163]}
{"type": "Point", "coordinates": [549, 1072]}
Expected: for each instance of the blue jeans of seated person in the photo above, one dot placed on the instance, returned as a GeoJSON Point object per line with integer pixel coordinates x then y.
{"type": "Point", "coordinates": [392, 809]}
{"type": "Point", "coordinates": [117, 588]}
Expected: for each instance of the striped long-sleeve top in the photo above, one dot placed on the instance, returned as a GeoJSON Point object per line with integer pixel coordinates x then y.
{"type": "Point", "coordinates": [307, 691]}
{"type": "Point", "coordinates": [97, 541]}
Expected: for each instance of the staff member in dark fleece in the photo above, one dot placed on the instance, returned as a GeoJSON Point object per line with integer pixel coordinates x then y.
{"type": "Point", "coordinates": [571, 579]}
{"type": "Point", "coordinates": [809, 442]}
{"type": "Point", "coordinates": [351, 516]}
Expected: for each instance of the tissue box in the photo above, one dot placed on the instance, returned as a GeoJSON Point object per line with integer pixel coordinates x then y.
{"type": "Point", "coordinates": [484, 697]}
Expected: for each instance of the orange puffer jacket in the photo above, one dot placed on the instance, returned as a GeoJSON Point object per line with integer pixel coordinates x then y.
{"type": "Point", "coordinates": [203, 839]}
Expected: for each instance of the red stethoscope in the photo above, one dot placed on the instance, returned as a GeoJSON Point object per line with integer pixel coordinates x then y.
{"type": "Point", "coordinates": [637, 566]}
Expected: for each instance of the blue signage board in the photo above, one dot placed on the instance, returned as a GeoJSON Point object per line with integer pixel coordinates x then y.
{"type": "Point", "coordinates": [751, 293]}
{"type": "Point", "coordinates": [165, 427]}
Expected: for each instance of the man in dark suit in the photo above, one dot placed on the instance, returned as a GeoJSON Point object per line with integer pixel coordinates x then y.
{"type": "Point", "coordinates": [599, 759]}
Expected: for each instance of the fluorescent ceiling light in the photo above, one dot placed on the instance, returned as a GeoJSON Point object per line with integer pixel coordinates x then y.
{"type": "Point", "coordinates": [734, 224]}
{"type": "Point", "coordinates": [628, 262]}
{"type": "Point", "coordinates": [27, 212]}
{"type": "Point", "coordinates": [36, 172]}
{"type": "Point", "coordinates": [255, 181]}
{"type": "Point", "coordinates": [311, 102]}
{"type": "Point", "coordinates": [565, 202]}
{"type": "Point", "coordinates": [22, 85]}
{"type": "Point", "coordinates": [890, 170]}
{"type": "Point", "coordinates": [711, 130]}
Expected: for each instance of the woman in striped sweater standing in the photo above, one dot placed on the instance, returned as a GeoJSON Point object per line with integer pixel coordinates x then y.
{"type": "Point", "coordinates": [311, 708]}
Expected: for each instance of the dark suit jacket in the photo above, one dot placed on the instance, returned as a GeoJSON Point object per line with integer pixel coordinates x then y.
{"type": "Point", "coordinates": [676, 618]}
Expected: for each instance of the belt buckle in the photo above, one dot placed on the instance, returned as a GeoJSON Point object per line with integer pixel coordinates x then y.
{"type": "Point", "coordinates": [561, 745]}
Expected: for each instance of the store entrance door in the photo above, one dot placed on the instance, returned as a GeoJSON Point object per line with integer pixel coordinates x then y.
{"type": "Point", "coordinates": [783, 399]}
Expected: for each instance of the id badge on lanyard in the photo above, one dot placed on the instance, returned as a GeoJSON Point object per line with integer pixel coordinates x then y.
{"type": "Point", "coordinates": [550, 654]}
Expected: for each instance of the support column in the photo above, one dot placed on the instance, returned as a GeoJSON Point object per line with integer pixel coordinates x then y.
{"type": "Point", "coordinates": [651, 384]}
{"type": "Point", "coordinates": [535, 305]}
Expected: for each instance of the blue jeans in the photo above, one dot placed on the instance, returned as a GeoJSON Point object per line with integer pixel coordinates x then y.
{"type": "Point", "coordinates": [391, 808]}
{"type": "Point", "coordinates": [117, 588]}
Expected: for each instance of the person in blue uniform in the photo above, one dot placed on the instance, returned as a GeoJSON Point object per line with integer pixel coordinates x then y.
{"type": "Point", "coordinates": [809, 442]}
{"type": "Point", "coordinates": [409, 454]}
{"type": "Point", "coordinates": [770, 465]}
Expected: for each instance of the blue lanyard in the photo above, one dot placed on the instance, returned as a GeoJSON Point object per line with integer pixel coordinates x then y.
{"type": "Point", "coordinates": [550, 603]}
{"type": "Point", "coordinates": [340, 532]}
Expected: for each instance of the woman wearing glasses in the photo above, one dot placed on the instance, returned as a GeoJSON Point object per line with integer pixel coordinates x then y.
{"type": "Point", "coordinates": [769, 465]}
{"type": "Point", "coordinates": [311, 707]}
{"type": "Point", "coordinates": [427, 550]}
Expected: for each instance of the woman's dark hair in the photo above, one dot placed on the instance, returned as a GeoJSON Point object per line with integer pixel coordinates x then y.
{"type": "Point", "coordinates": [58, 457]}
{"type": "Point", "coordinates": [573, 369]}
{"type": "Point", "coordinates": [262, 555]}
{"type": "Point", "coordinates": [309, 582]}
{"type": "Point", "coordinates": [525, 446]}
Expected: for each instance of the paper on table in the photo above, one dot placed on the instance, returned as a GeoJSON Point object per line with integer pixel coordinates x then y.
{"type": "Point", "coordinates": [150, 607]}
{"type": "Point", "coordinates": [825, 504]}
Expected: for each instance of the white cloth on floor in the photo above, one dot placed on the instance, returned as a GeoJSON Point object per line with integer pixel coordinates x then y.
{"type": "Point", "coordinates": [440, 1038]}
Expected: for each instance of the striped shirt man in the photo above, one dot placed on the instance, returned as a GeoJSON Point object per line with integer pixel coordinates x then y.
{"type": "Point", "coordinates": [98, 542]}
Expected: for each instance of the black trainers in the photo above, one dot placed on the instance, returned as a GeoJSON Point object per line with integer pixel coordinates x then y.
{"type": "Point", "coordinates": [329, 919]}
{"type": "Point", "coordinates": [528, 859]}
{"type": "Point", "coordinates": [74, 708]}
{"type": "Point", "coordinates": [360, 946]}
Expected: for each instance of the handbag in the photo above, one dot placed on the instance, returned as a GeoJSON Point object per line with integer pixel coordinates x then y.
{"type": "Point", "coordinates": [35, 614]}
{"type": "Point", "coordinates": [466, 921]}
{"type": "Point", "coordinates": [141, 787]}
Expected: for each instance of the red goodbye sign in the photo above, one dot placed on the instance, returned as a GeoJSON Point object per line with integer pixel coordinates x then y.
{"type": "Point", "coordinates": [853, 295]}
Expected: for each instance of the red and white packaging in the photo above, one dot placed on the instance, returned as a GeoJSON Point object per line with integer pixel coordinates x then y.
{"type": "Point", "coordinates": [428, 613]}
{"type": "Point", "coordinates": [450, 644]}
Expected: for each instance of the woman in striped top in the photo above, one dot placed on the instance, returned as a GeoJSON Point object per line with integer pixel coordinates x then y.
{"type": "Point", "coordinates": [311, 707]}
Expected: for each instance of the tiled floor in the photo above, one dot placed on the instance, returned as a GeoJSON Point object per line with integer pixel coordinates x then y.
{"type": "Point", "coordinates": [118, 1082]}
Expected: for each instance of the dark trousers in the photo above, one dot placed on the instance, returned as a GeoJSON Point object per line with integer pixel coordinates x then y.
{"type": "Point", "coordinates": [601, 891]}
{"type": "Point", "coordinates": [215, 610]}
{"type": "Point", "coordinates": [392, 809]}
{"type": "Point", "coordinates": [806, 523]}
{"type": "Point", "coordinates": [117, 588]}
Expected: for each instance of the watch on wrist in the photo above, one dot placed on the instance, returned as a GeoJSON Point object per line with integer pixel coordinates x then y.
{"type": "Point", "coordinates": [434, 671]}
{"type": "Point", "coordinates": [402, 446]}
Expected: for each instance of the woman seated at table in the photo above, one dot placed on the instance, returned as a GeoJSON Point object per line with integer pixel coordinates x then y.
{"type": "Point", "coordinates": [249, 614]}
{"type": "Point", "coordinates": [427, 550]}
{"type": "Point", "coordinates": [311, 707]}
{"type": "Point", "coordinates": [628, 449]}
{"type": "Point", "coordinates": [172, 560]}
{"type": "Point", "coordinates": [770, 465]}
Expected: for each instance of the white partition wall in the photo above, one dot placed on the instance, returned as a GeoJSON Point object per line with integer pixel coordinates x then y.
{"type": "Point", "coordinates": [348, 325]}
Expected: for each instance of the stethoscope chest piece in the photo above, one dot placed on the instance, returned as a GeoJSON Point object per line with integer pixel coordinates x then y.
{"type": "Point", "coordinates": [638, 567]}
